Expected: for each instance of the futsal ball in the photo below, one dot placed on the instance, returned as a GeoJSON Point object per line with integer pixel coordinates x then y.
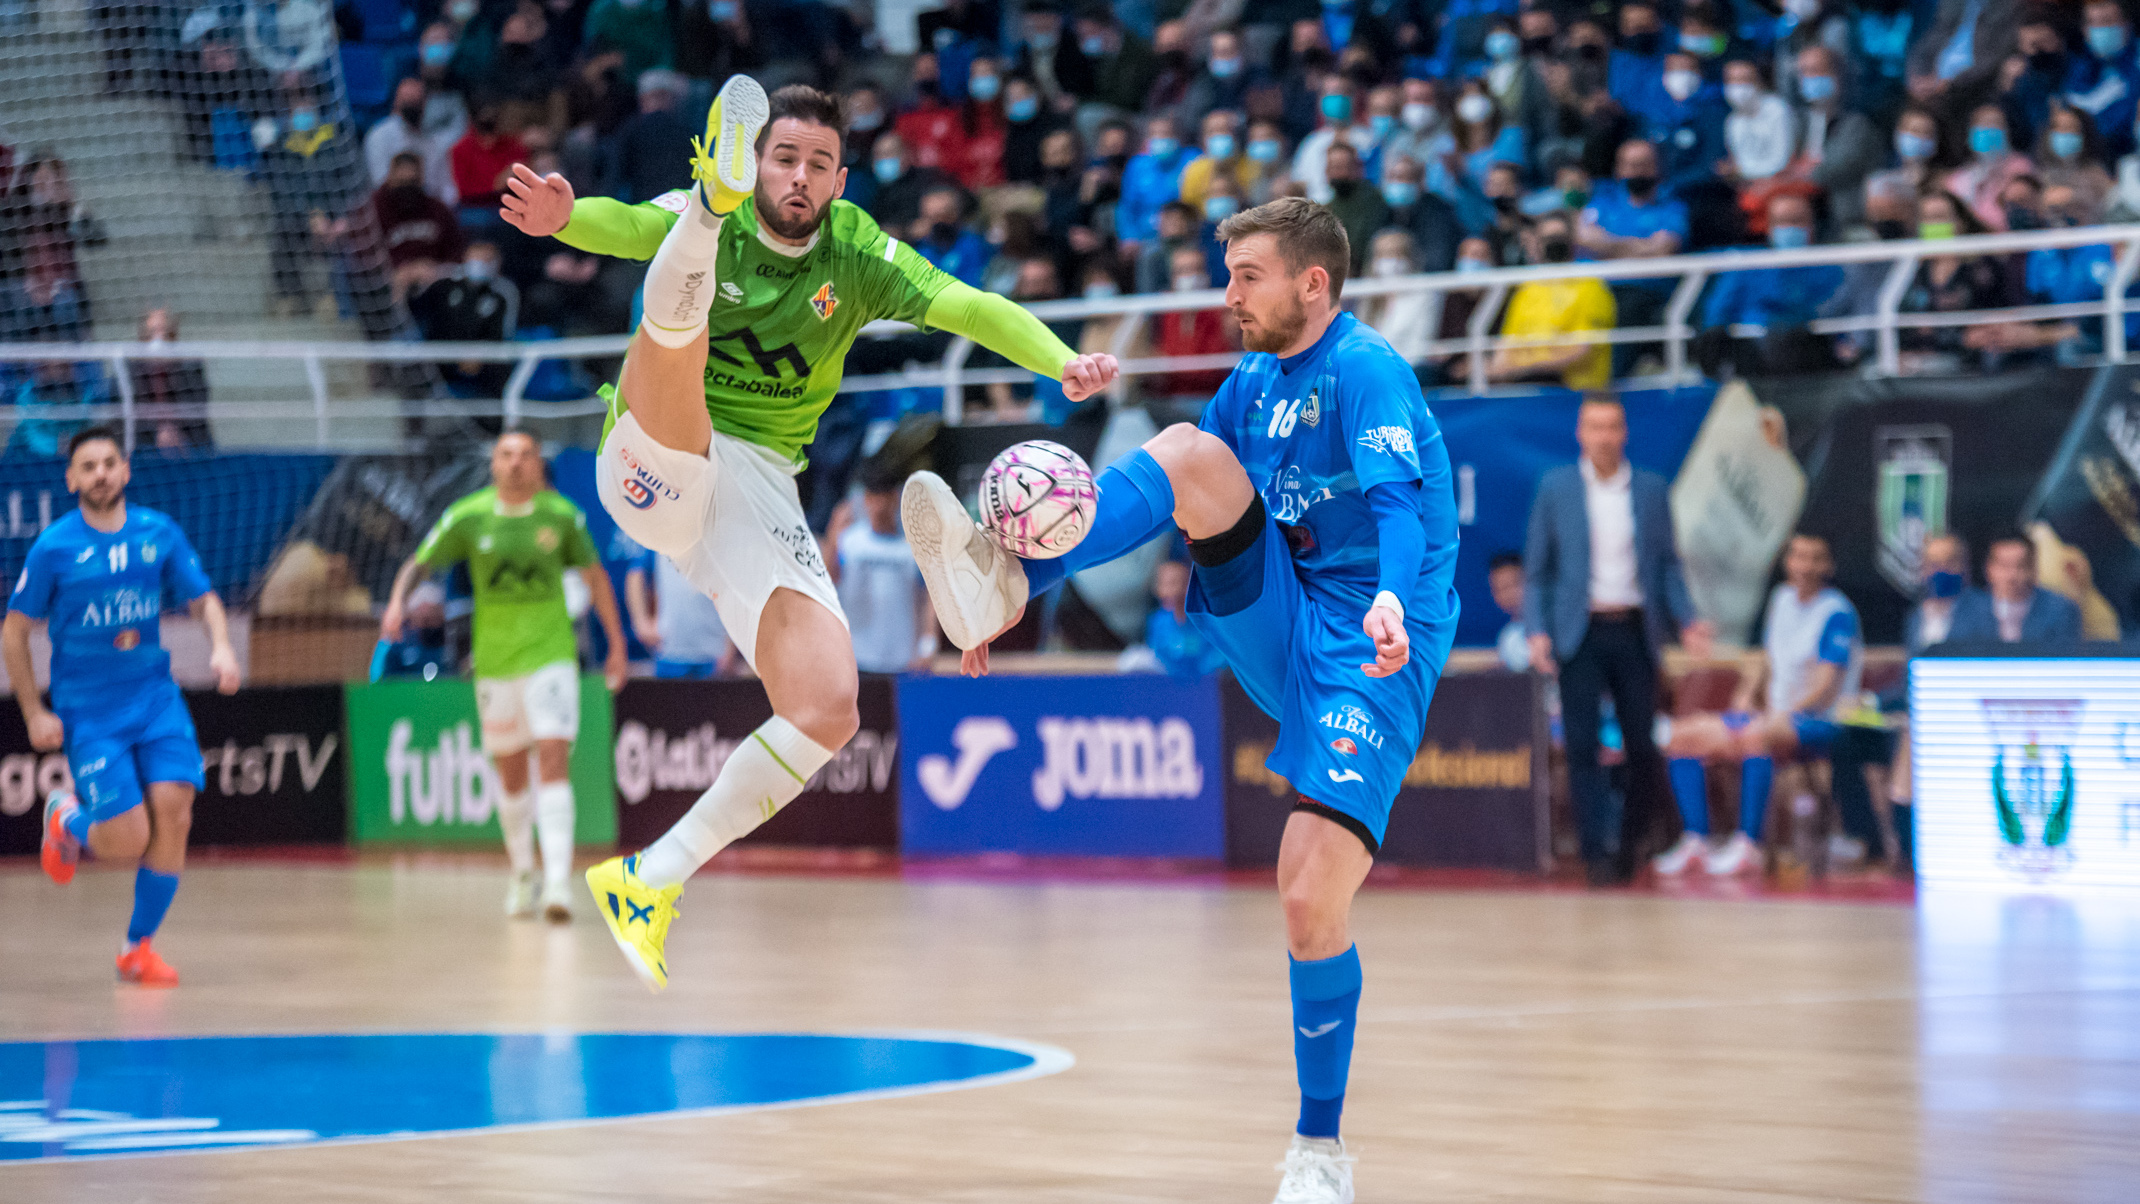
{"type": "Point", "coordinates": [1037, 499]}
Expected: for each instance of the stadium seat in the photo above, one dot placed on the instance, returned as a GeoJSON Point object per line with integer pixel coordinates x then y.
{"type": "Point", "coordinates": [368, 74]}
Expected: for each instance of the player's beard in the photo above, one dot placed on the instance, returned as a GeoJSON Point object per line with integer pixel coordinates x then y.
{"type": "Point", "coordinates": [102, 499]}
{"type": "Point", "coordinates": [773, 216]}
{"type": "Point", "coordinates": [1275, 332]}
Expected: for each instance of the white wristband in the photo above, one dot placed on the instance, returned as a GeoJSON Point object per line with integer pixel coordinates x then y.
{"type": "Point", "coordinates": [1388, 601]}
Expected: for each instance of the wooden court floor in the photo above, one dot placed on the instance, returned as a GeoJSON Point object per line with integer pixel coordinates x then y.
{"type": "Point", "coordinates": [1514, 1046]}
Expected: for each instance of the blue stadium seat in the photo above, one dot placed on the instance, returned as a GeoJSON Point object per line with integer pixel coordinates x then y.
{"type": "Point", "coordinates": [387, 21]}
{"type": "Point", "coordinates": [368, 74]}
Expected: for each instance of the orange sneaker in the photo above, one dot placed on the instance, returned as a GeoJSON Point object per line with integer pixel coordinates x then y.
{"type": "Point", "coordinates": [140, 964]}
{"type": "Point", "coordinates": [60, 850]}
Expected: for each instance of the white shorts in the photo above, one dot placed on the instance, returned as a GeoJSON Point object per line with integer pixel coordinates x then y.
{"type": "Point", "coordinates": [730, 521]}
{"type": "Point", "coordinates": [517, 711]}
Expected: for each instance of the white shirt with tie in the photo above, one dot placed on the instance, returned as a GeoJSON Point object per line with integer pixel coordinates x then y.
{"type": "Point", "coordinates": [1609, 502]}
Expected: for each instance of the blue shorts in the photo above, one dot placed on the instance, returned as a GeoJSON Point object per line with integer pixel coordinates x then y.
{"type": "Point", "coordinates": [1816, 735]}
{"type": "Point", "coordinates": [115, 751]}
{"type": "Point", "coordinates": [1345, 740]}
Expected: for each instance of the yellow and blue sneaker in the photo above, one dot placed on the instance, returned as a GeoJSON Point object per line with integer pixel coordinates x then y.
{"type": "Point", "coordinates": [638, 915]}
{"type": "Point", "coordinates": [726, 163]}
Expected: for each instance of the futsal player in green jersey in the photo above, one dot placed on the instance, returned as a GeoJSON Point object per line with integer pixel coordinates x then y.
{"type": "Point", "coordinates": [761, 278]}
{"type": "Point", "coordinates": [518, 540]}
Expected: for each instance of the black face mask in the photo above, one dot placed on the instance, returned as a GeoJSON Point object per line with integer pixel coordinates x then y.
{"type": "Point", "coordinates": [405, 193]}
{"type": "Point", "coordinates": [1590, 52]}
{"type": "Point", "coordinates": [1891, 229]}
{"type": "Point", "coordinates": [1343, 189]}
{"type": "Point", "coordinates": [2019, 218]}
{"type": "Point", "coordinates": [943, 232]}
{"type": "Point", "coordinates": [2049, 62]}
{"type": "Point", "coordinates": [1644, 44]}
{"type": "Point", "coordinates": [1538, 45]}
{"type": "Point", "coordinates": [1556, 249]}
{"type": "Point", "coordinates": [1639, 187]}
{"type": "Point", "coordinates": [413, 114]}
{"type": "Point", "coordinates": [1504, 204]}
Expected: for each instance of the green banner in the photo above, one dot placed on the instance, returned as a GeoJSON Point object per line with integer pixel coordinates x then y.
{"type": "Point", "coordinates": [418, 775]}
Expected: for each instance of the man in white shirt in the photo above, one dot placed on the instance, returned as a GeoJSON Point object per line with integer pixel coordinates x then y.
{"type": "Point", "coordinates": [1603, 594]}
{"type": "Point", "coordinates": [880, 585]}
{"type": "Point", "coordinates": [1504, 576]}
{"type": "Point", "coordinates": [676, 621]}
{"type": "Point", "coordinates": [1811, 659]}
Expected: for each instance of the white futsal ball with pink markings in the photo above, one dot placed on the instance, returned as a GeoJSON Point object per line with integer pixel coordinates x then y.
{"type": "Point", "coordinates": [1037, 499]}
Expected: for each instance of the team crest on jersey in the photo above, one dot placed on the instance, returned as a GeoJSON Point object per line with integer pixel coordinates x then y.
{"type": "Point", "coordinates": [546, 539]}
{"type": "Point", "coordinates": [824, 302]}
{"type": "Point", "coordinates": [483, 544]}
{"type": "Point", "coordinates": [148, 553]}
{"type": "Point", "coordinates": [1311, 410]}
{"type": "Point", "coordinates": [127, 640]}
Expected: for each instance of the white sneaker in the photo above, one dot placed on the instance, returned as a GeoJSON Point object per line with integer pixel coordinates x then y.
{"type": "Point", "coordinates": [557, 903]}
{"type": "Point", "coordinates": [1317, 1171]}
{"type": "Point", "coordinates": [976, 586]}
{"type": "Point", "coordinates": [1674, 861]}
{"type": "Point", "coordinates": [1734, 856]}
{"type": "Point", "coordinates": [520, 895]}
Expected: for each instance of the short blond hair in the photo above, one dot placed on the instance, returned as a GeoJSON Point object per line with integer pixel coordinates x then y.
{"type": "Point", "coordinates": [1308, 235]}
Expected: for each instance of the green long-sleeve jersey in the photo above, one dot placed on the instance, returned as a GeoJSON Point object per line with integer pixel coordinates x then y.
{"type": "Point", "coordinates": [784, 318]}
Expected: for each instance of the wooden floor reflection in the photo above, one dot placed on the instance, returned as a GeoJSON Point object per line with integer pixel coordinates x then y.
{"type": "Point", "coordinates": [1514, 1046]}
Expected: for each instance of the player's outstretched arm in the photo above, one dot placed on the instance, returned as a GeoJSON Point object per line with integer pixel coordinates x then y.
{"type": "Point", "coordinates": [1004, 327]}
{"type": "Point", "coordinates": [222, 658]}
{"type": "Point", "coordinates": [46, 731]}
{"type": "Point", "coordinates": [544, 207]}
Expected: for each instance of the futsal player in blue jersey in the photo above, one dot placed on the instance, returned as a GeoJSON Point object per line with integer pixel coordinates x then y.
{"type": "Point", "coordinates": [98, 579]}
{"type": "Point", "coordinates": [1316, 497]}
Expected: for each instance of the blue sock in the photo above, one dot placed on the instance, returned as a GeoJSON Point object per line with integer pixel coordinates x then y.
{"type": "Point", "coordinates": [1326, 1001]}
{"type": "Point", "coordinates": [77, 825]}
{"type": "Point", "coordinates": [152, 898]}
{"type": "Point", "coordinates": [1690, 785]}
{"type": "Point", "coordinates": [1136, 505]}
{"type": "Point", "coordinates": [1755, 777]}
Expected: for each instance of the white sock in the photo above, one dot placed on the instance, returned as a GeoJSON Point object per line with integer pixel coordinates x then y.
{"type": "Point", "coordinates": [679, 283]}
{"type": "Point", "coordinates": [516, 815]}
{"type": "Point", "coordinates": [553, 820]}
{"type": "Point", "coordinates": [764, 774]}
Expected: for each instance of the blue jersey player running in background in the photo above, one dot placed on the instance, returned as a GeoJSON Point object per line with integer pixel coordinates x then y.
{"type": "Point", "coordinates": [1316, 497]}
{"type": "Point", "coordinates": [99, 579]}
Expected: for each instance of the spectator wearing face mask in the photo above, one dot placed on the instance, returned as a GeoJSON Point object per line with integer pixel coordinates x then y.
{"type": "Point", "coordinates": [1429, 220]}
{"type": "Point", "coordinates": [2104, 83]}
{"type": "Point", "coordinates": [2062, 275]}
{"type": "Point", "coordinates": [933, 126]}
{"type": "Point", "coordinates": [1473, 255]}
{"type": "Point", "coordinates": [1194, 332]}
{"type": "Point", "coordinates": [1227, 78]}
{"type": "Point", "coordinates": [1689, 131]}
{"type": "Point", "coordinates": [474, 304]}
{"type": "Point", "coordinates": [900, 184]}
{"type": "Point", "coordinates": [1460, 41]}
{"type": "Point", "coordinates": [419, 231]}
{"type": "Point", "coordinates": [1335, 120]}
{"type": "Point", "coordinates": [1635, 71]}
{"type": "Point", "coordinates": [1514, 82]}
{"type": "Point", "coordinates": [172, 393]}
{"type": "Point", "coordinates": [2069, 155]}
{"type": "Point", "coordinates": [984, 132]}
{"type": "Point", "coordinates": [1505, 219]}
{"type": "Point", "coordinates": [1992, 164]}
{"type": "Point", "coordinates": [1545, 308]}
{"type": "Point", "coordinates": [1223, 154]}
{"type": "Point", "coordinates": [1629, 218]}
{"type": "Point", "coordinates": [403, 130]}
{"type": "Point", "coordinates": [1028, 122]}
{"type": "Point", "coordinates": [1838, 147]}
{"type": "Point", "coordinates": [1890, 195]}
{"type": "Point", "coordinates": [1384, 104]}
{"type": "Point", "coordinates": [1150, 180]}
{"type": "Point", "coordinates": [1760, 132]}
{"type": "Point", "coordinates": [1178, 227]}
{"type": "Point", "coordinates": [1407, 320]}
{"type": "Point", "coordinates": [1119, 64]}
{"type": "Point", "coordinates": [1779, 300]}
{"type": "Point", "coordinates": [1266, 154]}
{"type": "Point", "coordinates": [1482, 137]}
{"type": "Point", "coordinates": [1359, 205]}
{"type": "Point", "coordinates": [1949, 284]}
{"type": "Point", "coordinates": [1422, 134]}
{"type": "Point", "coordinates": [1169, 88]}
{"type": "Point", "coordinates": [939, 237]}
{"type": "Point", "coordinates": [1099, 280]}
{"type": "Point", "coordinates": [636, 30]}
{"type": "Point", "coordinates": [482, 160]}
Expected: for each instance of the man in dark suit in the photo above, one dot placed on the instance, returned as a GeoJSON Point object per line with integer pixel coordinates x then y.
{"type": "Point", "coordinates": [2010, 609]}
{"type": "Point", "coordinates": [1603, 595]}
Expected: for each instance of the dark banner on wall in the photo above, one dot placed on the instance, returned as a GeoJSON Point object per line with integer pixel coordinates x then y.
{"type": "Point", "coordinates": [1474, 797]}
{"type": "Point", "coordinates": [674, 736]}
{"type": "Point", "coordinates": [1889, 462]}
{"type": "Point", "coordinates": [273, 757]}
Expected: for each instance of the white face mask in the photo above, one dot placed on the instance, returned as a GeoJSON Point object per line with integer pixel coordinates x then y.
{"type": "Point", "coordinates": [1474, 108]}
{"type": "Point", "coordinates": [1742, 96]}
{"type": "Point", "coordinates": [1189, 283]}
{"type": "Point", "coordinates": [1419, 115]}
{"type": "Point", "coordinates": [1679, 85]}
{"type": "Point", "coordinates": [1390, 265]}
{"type": "Point", "coordinates": [1101, 290]}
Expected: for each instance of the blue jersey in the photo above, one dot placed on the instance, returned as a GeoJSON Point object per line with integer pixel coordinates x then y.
{"type": "Point", "coordinates": [102, 596]}
{"type": "Point", "coordinates": [1315, 432]}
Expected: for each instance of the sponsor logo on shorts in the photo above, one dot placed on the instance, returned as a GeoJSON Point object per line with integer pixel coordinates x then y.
{"type": "Point", "coordinates": [126, 641]}
{"type": "Point", "coordinates": [1345, 745]}
{"type": "Point", "coordinates": [1353, 721]}
{"type": "Point", "coordinates": [1389, 440]}
{"type": "Point", "coordinates": [641, 489]}
{"type": "Point", "coordinates": [93, 767]}
{"type": "Point", "coordinates": [803, 546]}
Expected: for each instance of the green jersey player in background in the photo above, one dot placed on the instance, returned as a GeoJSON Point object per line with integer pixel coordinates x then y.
{"type": "Point", "coordinates": [519, 539]}
{"type": "Point", "coordinates": [761, 279]}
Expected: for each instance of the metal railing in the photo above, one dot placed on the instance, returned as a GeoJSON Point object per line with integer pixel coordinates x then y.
{"type": "Point", "coordinates": [952, 376]}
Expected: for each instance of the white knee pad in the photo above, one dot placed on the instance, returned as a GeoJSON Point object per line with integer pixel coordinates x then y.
{"type": "Point", "coordinates": [657, 494]}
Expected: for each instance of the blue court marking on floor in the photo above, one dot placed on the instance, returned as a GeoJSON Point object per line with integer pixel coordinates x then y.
{"type": "Point", "coordinates": [127, 1098]}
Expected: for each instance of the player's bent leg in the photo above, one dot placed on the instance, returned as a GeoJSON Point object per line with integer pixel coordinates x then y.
{"type": "Point", "coordinates": [1211, 489]}
{"type": "Point", "coordinates": [1321, 865]}
{"type": "Point", "coordinates": [664, 387]}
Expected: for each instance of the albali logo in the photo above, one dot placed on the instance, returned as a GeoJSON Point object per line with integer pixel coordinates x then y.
{"type": "Point", "coordinates": [2032, 739]}
{"type": "Point", "coordinates": [452, 783]}
{"type": "Point", "coordinates": [651, 759]}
